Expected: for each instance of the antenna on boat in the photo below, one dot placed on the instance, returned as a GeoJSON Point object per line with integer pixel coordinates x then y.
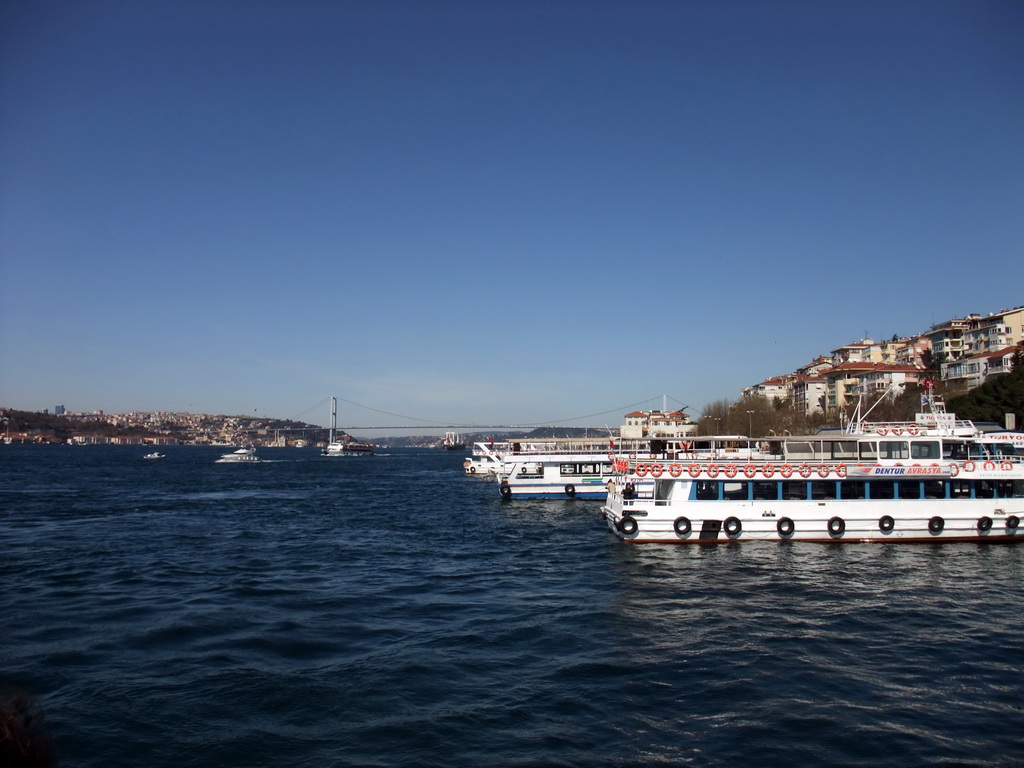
{"type": "Point", "coordinates": [857, 419]}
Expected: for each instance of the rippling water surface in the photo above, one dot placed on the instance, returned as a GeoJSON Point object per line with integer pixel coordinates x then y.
{"type": "Point", "coordinates": [392, 612]}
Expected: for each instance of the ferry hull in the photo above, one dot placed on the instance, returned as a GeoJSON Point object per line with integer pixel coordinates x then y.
{"type": "Point", "coordinates": [898, 521]}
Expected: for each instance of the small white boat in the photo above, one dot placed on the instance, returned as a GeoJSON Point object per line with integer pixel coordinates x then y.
{"type": "Point", "coordinates": [154, 455]}
{"type": "Point", "coordinates": [347, 447]}
{"type": "Point", "coordinates": [241, 456]}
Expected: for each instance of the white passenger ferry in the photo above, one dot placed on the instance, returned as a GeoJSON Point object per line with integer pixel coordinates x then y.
{"type": "Point", "coordinates": [934, 479]}
{"type": "Point", "coordinates": [485, 458]}
{"type": "Point", "coordinates": [583, 469]}
{"type": "Point", "coordinates": [566, 468]}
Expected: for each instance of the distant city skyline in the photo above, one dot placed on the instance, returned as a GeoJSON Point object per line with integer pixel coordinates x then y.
{"type": "Point", "coordinates": [491, 213]}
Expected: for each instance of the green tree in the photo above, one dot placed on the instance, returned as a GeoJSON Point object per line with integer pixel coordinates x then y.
{"type": "Point", "coordinates": [994, 399]}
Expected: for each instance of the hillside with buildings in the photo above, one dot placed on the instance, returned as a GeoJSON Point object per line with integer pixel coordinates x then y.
{"type": "Point", "coordinates": [957, 355]}
{"type": "Point", "coordinates": [155, 428]}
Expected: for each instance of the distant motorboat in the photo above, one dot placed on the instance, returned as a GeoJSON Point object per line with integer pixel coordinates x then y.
{"type": "Point", "coordinates": [154, 455]}
{"type": "Point", "coordinates": [241, 456]}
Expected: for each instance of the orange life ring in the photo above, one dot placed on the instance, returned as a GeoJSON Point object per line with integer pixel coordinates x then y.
{"type": "Point", "coordinates": [897, 431]}
{"type": "Point", "coordinates": [641, 470]}
{"type": "Point", "coordinates": [767, 470]}
{"type": "Point", "coordinates": [712, 470]}
{"type": "Point", "coordinates": [990, 466]}
{"type": "Point", "coordinates": [841, 470]}
{"type": "Point", "coordinates": [693, 469]}
{"type": "Point", "coordinates": [656, 470]}
{"type": "Point", "coordinates": [968, 466]}
{"type": "Point", "coordinates": [913, 430]}
{"type": "Point", "coordinates": [805, 470]}
{"type": "Point", "coordinates": [730, 470]}
{"type": "Point", "coordinates": [822, 470]}
{"type": "Point", "coordinates": [882, 431]}
{"type": "Point", "coordinates": [675, 470]}
{"type": "Point", "coordinates": [786, 470]}
{"type": "Point", "coordinates": [1006, 466]}
{"type": "Point", "coordinates": [750, 470]}
{"type": "Point", "coordinates": [954, 470]}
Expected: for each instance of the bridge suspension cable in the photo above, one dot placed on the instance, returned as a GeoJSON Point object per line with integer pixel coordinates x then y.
{"type": "Point", "coordinates": [432, 424]}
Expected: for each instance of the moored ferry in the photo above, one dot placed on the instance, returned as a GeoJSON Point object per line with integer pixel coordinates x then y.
{"type": "Point", "coordinates": [573, 468]}
{"type": "Point", "coordinates": [555, 468]}
{"type": "Point", "coordinates": [485, 458]}
{"type": "Point", "coordinates": [934, 479]}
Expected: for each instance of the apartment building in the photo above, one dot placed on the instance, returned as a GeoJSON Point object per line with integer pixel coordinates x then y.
{"type": "Point", "coordinates": [996, 332]}
{"type": "Point", "coordinates": [640, 424]}
{"type": "Point", "coordinates": [972, 349]}
{"type": "Point", "coordinates": [973, 370]}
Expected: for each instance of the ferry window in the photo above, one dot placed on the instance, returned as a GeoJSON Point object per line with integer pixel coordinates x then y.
{"type": "Point", "coordinates": [910, 489]}
{"type": "Point", "coordinates": [1018, 489]}
{"type": "Point", "coordinates": [735, 491]}
{"type": "Point", "coordinates": [853, 489]}
{"type": "Point", "coordinates": [954, 451]}
{"type": "Point", "coordinates": [921, 449]}
{"type": "Point", "coordinates": [799, 451]}
{"type": "Point", "coordinates": [935, 489]}
{"type": "Point", "coordinates": [823, 489]}
{"type": "Point", "coordinates": [567, 469]}
{"type": "Point", "coordinates": [1005, 450]}
{"type": "Point", "coordinates": [984, 489]}
{"type": "Point", "coordinates": [792, 489]}
{"type": "Point", "coordinates": [606, 469]}
{"type": "Point", "coordinates": [960, 489]}
{"type": "Point", "coordinates": [588, 469]}
{"type": "Point", "coordinates": [706, 490]}
{"type": "Point", "coordinates": [1004, 489]}
{"type": "Point", "coordinates": [869, 450]}
{"type": "Point", "coordinates": [893, 449]}
{"type": "Point", "coordinates": [883, 489]}
{"type": "Point", "coordinates": [766, 491]}
{"type": "Point", "coordinates": [663, 490]}
{"type": "Point", "coordinates": [844, 449]}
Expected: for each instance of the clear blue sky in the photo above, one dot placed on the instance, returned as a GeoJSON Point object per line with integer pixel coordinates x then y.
{"type": "Point", "coordinates": [491, 212]}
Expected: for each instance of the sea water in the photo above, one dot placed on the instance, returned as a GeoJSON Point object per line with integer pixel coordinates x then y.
{"type": "Point", "coordinates": [391, 611]}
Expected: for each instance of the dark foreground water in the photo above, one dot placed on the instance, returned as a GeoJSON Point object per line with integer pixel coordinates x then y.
{"type": "Point", "coordinates": [392, 612]}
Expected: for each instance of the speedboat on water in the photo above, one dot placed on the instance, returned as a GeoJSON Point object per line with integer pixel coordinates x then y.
{"type": "Point", "coordinates": [241, 456]}
{"type": "Point", "coordinates": [154, 455]}
{"type": "Point", "coordinates": [933, 479]}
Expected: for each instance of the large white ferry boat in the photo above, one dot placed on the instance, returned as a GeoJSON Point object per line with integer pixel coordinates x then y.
{"type": "Point", "coordinates": [933, 479]}
{"type": "Point", "coordinates": [565, 468]}
{"type": "Point", "coordinates": [485, 458]}
{"type": "Point", "coordinates": [583, 468]}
